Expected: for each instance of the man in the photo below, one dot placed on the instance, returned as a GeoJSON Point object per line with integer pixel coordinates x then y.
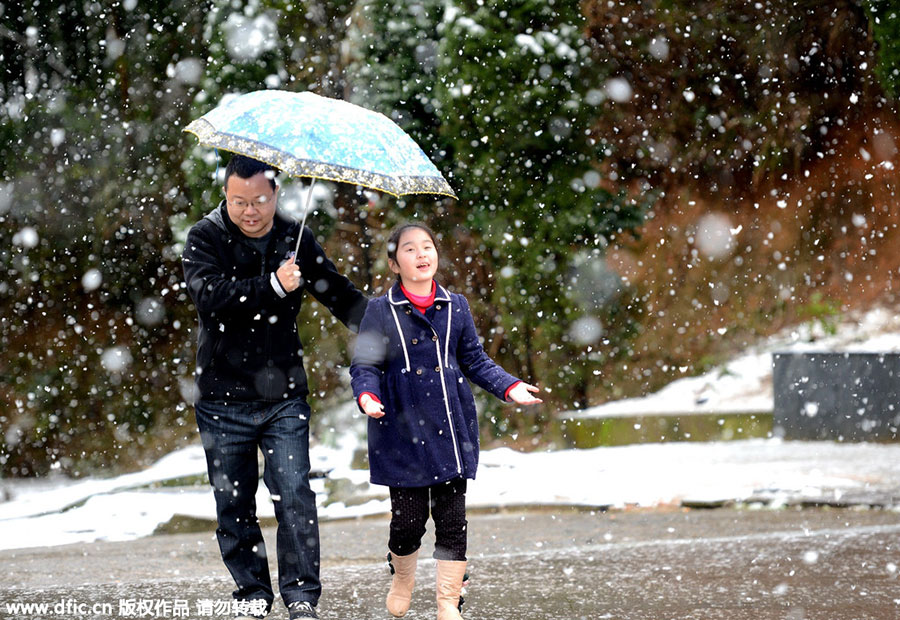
{"type": "Point", "coordinates": [247, 287]}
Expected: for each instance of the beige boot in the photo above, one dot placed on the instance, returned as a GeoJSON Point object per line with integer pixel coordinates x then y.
{"type": "Point", "coordinates": [403, 567]}
{"type": "Point", "coordinates": [450, 576]}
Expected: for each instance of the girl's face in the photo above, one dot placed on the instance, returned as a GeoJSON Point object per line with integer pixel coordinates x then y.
{"type": "Point", "coordinates": [417, 259]}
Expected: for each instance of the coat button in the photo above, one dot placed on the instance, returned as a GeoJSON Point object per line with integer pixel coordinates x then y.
{"type": "Point", "coordinates": [418, 371]}
{"type": "Point", "coordinates": [415, 341]}
{"type": "Point", "coordinates": [437, 307]}
{"type": "Point", "coordinates": [408, 311]}
{"type": "Point", "coordinates": [434, 338]}
{"type": "Point", "coordinates": [437, 369]}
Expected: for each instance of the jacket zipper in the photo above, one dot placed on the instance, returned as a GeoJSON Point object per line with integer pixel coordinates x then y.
{"type": "Point", "coordinates": [266, 326]}
{"type": "Point", "coordinates": [437, 346]}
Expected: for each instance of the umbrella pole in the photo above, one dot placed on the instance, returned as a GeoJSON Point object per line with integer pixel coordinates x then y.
{"type": "Point", "coordinates": [305, 213]}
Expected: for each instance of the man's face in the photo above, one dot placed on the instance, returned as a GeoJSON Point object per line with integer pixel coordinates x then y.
{"type": "Point", "coordinates": [251, 203]}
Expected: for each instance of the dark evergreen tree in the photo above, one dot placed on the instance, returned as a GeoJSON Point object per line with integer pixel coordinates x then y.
{"type": "Point", "coordinates": [392, 52]}
{"type": "Point", "coordinates": [884, 16]}
{"type": "Point", "coordinates": [393, 68]}
{"type": "Point", "coordinates": [513, 83]}
{"type": "Point", "coordinates": [97, 180]}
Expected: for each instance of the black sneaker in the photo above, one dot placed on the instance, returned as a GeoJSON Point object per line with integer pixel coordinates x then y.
{"type": "Point", "coordinates": [302, 609]}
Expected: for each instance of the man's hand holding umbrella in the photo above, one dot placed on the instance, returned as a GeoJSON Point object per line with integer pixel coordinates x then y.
{"type": "Point", "coordinates": [289, 275]}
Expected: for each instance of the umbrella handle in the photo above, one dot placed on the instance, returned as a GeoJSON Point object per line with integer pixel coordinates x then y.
{"type": "Point", "coordinates": [303, 221]}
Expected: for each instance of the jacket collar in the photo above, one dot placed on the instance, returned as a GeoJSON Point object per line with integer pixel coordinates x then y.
{"type": "Point", "coordinates": [397, 298]}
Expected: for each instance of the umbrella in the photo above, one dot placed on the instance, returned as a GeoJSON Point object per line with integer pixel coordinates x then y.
{"type": "Point", "coordinates": [307, 135]}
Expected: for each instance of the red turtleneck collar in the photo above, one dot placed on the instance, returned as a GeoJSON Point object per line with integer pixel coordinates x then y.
{"type": "Point", "coordinates": [421, 302]}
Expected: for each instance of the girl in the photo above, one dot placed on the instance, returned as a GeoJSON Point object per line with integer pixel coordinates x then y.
{"type": "Point", "coordinates": [416, 347]}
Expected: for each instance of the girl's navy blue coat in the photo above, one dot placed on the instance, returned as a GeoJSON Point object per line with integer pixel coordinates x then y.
{"type": "Point", "coordinates": [417, 366]}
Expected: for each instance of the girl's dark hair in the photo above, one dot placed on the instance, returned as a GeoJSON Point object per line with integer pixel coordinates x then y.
{"type": "Point", "coordinates": [394, 239]}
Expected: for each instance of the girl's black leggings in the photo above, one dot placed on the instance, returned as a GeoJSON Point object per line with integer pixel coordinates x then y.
{"type": "Point", "coordinates": [409, 512]}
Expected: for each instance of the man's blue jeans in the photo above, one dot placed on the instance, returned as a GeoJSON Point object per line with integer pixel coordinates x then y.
{"type": "Point", "coordinates": [232, 433]}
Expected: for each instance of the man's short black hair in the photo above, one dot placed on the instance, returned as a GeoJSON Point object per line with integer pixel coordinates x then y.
{"type": "Point", "coordinates": [247, 167]}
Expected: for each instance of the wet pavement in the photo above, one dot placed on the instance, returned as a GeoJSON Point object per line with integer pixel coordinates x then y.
{"type": "Point", "coordinates": [791, 564]}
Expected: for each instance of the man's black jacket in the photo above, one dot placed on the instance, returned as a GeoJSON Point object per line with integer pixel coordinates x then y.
{"type": "Point", "coordinates": [249, 348]}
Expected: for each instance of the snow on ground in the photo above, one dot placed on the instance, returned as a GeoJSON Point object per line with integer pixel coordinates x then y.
{"type": "Point", "coordinates": [640, 475]}
{"type": "Point", "coordinates": [60, 511]}
{"type": "Point", "coordinates": [744, 385]}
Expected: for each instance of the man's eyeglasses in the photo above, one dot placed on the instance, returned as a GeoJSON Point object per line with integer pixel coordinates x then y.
{"type": "Point", "coordinates": [243, 204]}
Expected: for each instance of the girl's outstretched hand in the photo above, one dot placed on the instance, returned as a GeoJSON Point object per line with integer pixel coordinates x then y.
{"type": "Point", "coordinates": [522, 394]}
{"type": "Point", "coordinates": [371, 407]}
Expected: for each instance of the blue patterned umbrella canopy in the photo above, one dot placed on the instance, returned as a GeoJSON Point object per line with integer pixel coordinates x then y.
{"type": "Point", "coordinates": [307, 135]}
